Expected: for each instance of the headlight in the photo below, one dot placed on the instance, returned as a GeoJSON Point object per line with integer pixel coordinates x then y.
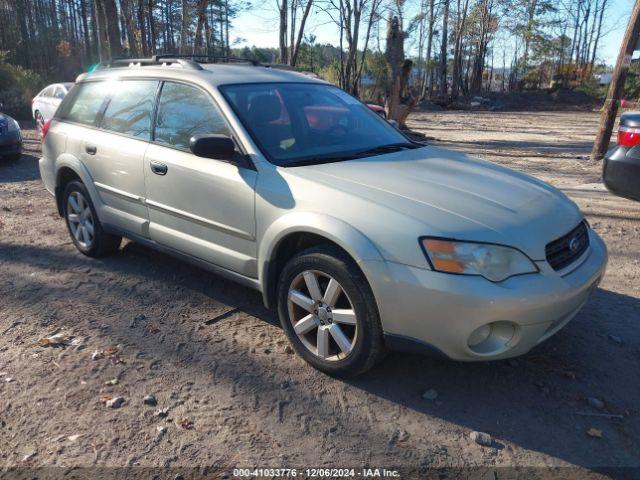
{"type": "Point", "coordinates": [13, 125]}
{"type": "Point", "coordinates": [493, 262]}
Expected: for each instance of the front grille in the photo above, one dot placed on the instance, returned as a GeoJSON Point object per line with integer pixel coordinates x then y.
{"type": "Point", "coordinates": [568, 248]}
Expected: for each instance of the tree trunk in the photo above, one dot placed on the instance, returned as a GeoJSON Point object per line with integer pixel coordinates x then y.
{"type": "Point", "coordinates": [456, 76]}
{"type": "Point", "coordinates": [372, 14]}
{"type": "Point", "coordinates": [101, 33]}
{"type": "Point", "coordinates": [207, 33]}
{"type": "Point", "coordinates": [24, 31]}
{"type": "Point", "coordinates": [112, 28]}
{"type": "Point", "coordinates": [85, 30]}
{"type": "Point", "coordinates": [598, 35]}
{"type": "Point", "coordinates": [127, 17]}
{"type": "Point", "coordinates": [184, 25]}
{"type": "Point", "coordinates": [296, 49]}
{"type": "Point", "coordinates": [142, 26]}
{"type": "Point", "coordinates": [152, 27]}
{"type": "Point", "coordinates": [443, 52]}
{"type": "Point", "coordinates": [200, 12]}
{"type": "Point", "coordinates": [399, 101]}
{"type": "Point", "coordinates": [282, 34]}
{"type": "Point", "coordinates": [428, 80]}
{"type": "Point", "coordinates": [531, 15]}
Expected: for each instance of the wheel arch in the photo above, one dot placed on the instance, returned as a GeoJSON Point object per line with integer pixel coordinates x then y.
{"type": "Point", "coordinates": [69, 168]}
{"type": "Point", "coordinates": [298, 231]}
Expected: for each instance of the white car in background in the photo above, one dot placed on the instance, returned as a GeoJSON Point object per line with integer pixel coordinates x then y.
{"type": "Point", "coordinates": [45, 104]}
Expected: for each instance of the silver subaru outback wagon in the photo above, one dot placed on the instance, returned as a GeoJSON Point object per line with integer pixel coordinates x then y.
{"type": "Point", "coordinates": [363, 240]}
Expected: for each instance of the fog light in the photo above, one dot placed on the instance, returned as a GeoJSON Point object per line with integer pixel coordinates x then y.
{"type": "Point", "coordinates": [492, 338]}
{"type": "Point", "coordinates": [479, 335]}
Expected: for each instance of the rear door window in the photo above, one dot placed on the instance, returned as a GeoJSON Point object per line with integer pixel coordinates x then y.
{"type": "Point", "coordinates": [185, 111]}
{"type": "Point", "coordinates": [130, 108]}
{"type": "Point", "coordinates": [87, 102]}
{"type": "Point", "coordinates": [59, 93]}
{"type": "Point", "coordinates": [47, 92]}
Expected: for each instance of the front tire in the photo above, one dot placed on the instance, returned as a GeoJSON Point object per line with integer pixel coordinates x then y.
{"type": "Point", "coordinates": [329, 313]}
{"type": "Point", "coordinates": [83, 224]}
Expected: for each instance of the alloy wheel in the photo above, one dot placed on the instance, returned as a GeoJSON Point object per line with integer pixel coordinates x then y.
{"type": "Point", "coordinates": [322, 315]}
{"type": "Point", "coordinates": [80, 219]}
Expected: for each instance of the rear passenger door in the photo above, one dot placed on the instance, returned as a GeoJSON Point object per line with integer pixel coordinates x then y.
{"type": "Point", "coordinates": [112, 147]}
{"type": "Point", "coordinates": [201, 206]}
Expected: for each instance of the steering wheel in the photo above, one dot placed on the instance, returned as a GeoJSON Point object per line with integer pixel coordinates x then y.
{"type": "Point", "coordinates": [337, 130]}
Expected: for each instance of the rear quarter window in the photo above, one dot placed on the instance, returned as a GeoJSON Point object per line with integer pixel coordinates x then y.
{"type": "Point", "coordinates": [84, 103]}
{"type": "Point", "coordinates": [47, 92]}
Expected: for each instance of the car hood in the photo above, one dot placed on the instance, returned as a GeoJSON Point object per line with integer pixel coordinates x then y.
{"type": "Point", "coordinates": [455, 196]}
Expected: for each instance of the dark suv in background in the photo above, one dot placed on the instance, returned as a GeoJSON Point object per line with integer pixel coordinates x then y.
{"type": "Point", "coordinates": [621, 168]}
{"type": "Point", "coordinates": [10, 137]}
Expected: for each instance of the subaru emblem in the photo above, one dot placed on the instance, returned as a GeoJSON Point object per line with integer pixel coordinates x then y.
{"type": "Point", "coordinates": [573, 244]}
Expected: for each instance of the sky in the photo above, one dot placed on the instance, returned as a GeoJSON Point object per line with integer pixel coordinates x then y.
{"type": "Point", "coordinates": [259, 26]}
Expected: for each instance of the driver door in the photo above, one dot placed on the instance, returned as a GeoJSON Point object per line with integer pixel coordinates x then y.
{"type": "Point", "coordinates": [199, 206]}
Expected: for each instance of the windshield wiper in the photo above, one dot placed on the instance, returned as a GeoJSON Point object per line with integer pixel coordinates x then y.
{"type": "Point", "coordinates": [319, 160]}
{"type": "Point", "coordinates": [379, 150]}
{"type": "Point", "coordinates": [388, 148]}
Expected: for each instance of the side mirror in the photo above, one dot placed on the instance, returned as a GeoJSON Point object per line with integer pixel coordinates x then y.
{"type": "Point", "coordinates": [220, 147]}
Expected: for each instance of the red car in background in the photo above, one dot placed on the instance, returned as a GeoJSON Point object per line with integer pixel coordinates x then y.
{"type": "Point", "coordinates": [378, 109]}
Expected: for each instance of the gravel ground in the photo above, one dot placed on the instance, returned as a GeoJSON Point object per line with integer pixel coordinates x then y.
{"type": "Point", "coordinates": [229, 393]}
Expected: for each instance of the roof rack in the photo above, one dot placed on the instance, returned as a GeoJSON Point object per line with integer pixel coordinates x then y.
{"type": "Point", "coordinates": [187, 61]}
{"type": "Point", "coordinates": [153, 61]}
{"type": "Point", "coordinates": [204, 58]}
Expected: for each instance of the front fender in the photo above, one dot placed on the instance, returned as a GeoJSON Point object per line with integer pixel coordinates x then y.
{"type": "Point", "coordinates": [356, 244]}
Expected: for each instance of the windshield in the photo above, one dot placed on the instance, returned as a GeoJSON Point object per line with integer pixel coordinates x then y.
{"type": "Point", "coordinates": [306, 123]}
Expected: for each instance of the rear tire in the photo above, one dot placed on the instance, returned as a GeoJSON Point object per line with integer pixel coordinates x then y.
{"type": "Point", "coordinates": [83, 224]}
{"type": "Point", "coordinates": [333, 321]}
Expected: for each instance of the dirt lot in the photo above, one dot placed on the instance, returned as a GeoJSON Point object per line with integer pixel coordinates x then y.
{"type": "Point", "coordinates": [216, 361]}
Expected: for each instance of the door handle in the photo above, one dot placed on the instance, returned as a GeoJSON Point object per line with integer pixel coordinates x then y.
{"type": "Point", "coordinates": [90, 149]}
{"type": "Point", "coordinates": [158, 168]}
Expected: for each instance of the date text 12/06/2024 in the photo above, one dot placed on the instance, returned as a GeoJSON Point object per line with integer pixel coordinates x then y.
{"type": "Point", "coordinates": [316, 472]}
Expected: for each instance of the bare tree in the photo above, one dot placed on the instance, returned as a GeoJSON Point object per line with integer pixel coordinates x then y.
{"type": "Point", "coordinates": [296, 39]}
{"type": "Point", "coordinates": [399, 101]}
{"type": "Point", "coordinates": [349, 18]}
{"type": "Point", "coordinates": [443, 51]}
{"type": "Point", "coordinates": [461, 19]}
{"type": "Point", "coordinates": [282, 32]}
{"type": "Point", "coordinates": [184, 26]}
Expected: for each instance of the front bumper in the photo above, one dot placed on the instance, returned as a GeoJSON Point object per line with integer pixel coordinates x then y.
{"type": "Point", "coordinates": [438, 311]}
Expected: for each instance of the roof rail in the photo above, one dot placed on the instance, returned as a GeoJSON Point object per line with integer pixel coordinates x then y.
{"type": "Point", "coordinates": [187, 61]}
{"type": "Point", "coordinates": [279, 66]}
{"type": "Point", "coordinates": [153, 61]}
{"type": "Point", "coordinates": [204, 58]}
